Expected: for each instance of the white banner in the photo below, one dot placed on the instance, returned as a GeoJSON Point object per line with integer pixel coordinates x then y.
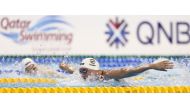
{"type": "Point", "coordinates": [95, 35]}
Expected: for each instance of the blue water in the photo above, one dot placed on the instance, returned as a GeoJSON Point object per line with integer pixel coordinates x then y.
{"type": "Point", "coordinates": [179, 76]}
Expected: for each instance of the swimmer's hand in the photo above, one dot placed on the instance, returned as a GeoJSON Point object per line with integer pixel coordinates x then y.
{"type": "Point", "coordinates": [67, 68]}
{"type": "Point", "coordinates": [162, 66]}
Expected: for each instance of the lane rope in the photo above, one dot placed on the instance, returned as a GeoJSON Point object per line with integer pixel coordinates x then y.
{"type": "Point", "coordinates": [26, 80]}
{"type": "Point", "coordinates": [145, 89]}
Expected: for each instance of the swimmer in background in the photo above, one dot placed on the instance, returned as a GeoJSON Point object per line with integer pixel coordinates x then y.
{"type": "Point", "coordinates": [33, 69]}
{"type": "Point", "coordinates": [89, 68]}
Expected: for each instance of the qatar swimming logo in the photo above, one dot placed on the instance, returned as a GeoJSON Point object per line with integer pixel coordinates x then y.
{"type": "Point", "coordinates": [48, 28]}
{"type": "Point", "coordinates": [117, 33]}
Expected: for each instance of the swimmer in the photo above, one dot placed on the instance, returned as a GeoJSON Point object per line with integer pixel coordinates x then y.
{"type": "Point", "coordinates": [31, 68]}
{"type": "Point", "coordinates": [89, 67]}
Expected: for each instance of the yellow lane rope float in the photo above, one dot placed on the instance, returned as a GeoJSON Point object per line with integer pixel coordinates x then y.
{"type": "Point", "coordinates": [138, 89]}
{"type": "Point", "coordinates": [26, 80]}
{"type": "Point", "coordinates": [147, 89]}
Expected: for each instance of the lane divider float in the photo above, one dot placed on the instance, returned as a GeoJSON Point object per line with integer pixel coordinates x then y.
{"type": "Point", "coordinates": [26, 80]}
{"type": "Point", "coordinates": [144, 89]}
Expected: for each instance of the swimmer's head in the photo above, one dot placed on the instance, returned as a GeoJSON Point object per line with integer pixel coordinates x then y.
{"type": "Point", "coordinates": [89, 63]}
{"type": "Point", "coordinates": [29, 65]}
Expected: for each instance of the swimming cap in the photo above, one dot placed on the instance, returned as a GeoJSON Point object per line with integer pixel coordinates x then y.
{"type": "Point", "coordinates": [90, 63]}
{"type": "Point", "coordinates": [27, 62]}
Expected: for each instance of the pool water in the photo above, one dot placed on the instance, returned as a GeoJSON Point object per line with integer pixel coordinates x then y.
{"type": "Point", "coordinates": [10, 67]}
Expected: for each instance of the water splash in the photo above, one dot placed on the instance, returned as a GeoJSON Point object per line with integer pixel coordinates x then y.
{"type": "Point", "coordinates": [11, 67]}
{"type": "Point", "coordinates": [180, 75]}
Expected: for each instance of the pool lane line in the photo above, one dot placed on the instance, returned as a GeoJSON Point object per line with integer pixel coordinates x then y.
{"type": "Point", "coordinates": [26, 80]}
{"type": "Point", "coordinates": [145, 89]}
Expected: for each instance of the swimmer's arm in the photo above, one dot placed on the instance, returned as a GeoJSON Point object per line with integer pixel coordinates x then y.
{"type": "Point", "coordinates": [124, 72]}
{"type": "Point", "coordinates": [67, 68]}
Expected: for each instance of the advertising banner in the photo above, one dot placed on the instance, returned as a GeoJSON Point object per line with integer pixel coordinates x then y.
{"type": "Point", "coordinates": [95, 35]}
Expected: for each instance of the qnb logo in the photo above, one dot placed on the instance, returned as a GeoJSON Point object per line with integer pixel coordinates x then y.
{"type": "Point", "coordinates": [117, 33]}
{"type": "Point", "coordinates": [48, 28]}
